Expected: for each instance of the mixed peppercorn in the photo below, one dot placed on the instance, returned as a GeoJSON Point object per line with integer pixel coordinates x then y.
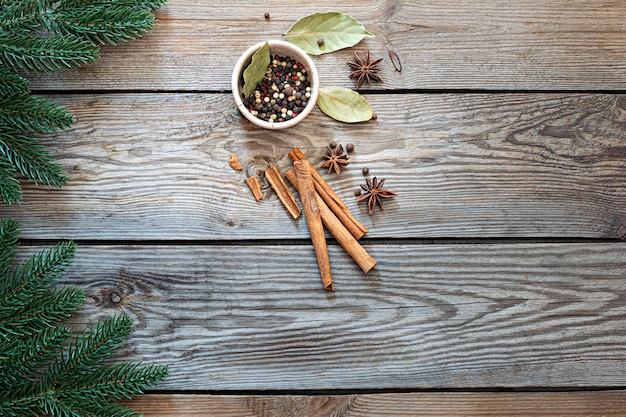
{"type": "Point", "coordinates": [283, 93]}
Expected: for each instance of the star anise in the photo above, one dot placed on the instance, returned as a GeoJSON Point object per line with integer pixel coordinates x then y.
{"type": "Point", "coordinates": [373, 193]}
{"type": "Point", "coordinates": [365, 70]}
{"type": "Point", "coordinates": [335, 159]}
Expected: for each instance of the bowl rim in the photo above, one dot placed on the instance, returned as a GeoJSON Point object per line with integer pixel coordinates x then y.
{"type": "Point", "coordinates": [295, 52]}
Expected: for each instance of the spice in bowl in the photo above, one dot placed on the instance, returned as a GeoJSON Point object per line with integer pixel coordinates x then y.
{"type": "Point", "coordinates": [275, 84]}
{"type": "Point", "coordinates": [283, 93]}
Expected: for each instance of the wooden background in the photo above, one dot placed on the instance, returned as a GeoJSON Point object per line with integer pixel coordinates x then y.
{"type": "Point", "coordinates": [500, 287]}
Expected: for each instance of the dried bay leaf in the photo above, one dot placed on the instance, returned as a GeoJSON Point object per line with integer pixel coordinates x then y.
{"type": "Point", "coordinates": [344, 104]}
{"type": "Point", "coordinates": [254, 73]}
{"type": "Point", "coordinates": [338, 31]}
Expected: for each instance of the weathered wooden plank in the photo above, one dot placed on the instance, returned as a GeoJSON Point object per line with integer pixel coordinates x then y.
{"type": "Point", "coordinates": [484, 44]}
{"type": "Point", "coordinates": [547, 404]}
{"type": "Point", "coordinates": [155, 166]}
{"type": "Point", "coordinates": [430, 316]}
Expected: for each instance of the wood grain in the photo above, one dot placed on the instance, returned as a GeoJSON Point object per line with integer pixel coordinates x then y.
{"type": "Point", "coordinates": [546, 404]}
{"type": "Point", "coordinates": [483, 44]}
{"type": "Point", "coordinates": [155, 166]}
{"type": "Point", "coordinates": [430, 316]}
{"type": "Point", "coordinates": [225, 290]}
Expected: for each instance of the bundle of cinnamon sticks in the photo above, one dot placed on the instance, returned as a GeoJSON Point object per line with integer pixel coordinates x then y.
{"type": "Point", "coordinates": [322, 208]}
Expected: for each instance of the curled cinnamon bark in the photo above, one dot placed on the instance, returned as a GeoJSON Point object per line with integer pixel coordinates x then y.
{"type": "Point", "coordinates": [338, 230]}
{"type": "Point", "coordinates": [314, 221]}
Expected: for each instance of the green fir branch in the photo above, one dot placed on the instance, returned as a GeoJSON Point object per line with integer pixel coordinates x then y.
{"type": "Point", "coordinates": [137, 4]}
{"type": "Point", "coordinates": [34, 277]}
{"type": "Point", "coordinates": [9, 234]}
{"type": "Point", "coordinates": [108, 410]}
{"type": "Point", "coordinates": [40, 373]}
{"type": "Point", "coordinates": [24, 14]}
{"type": "Point", "coordinates": [39, 312]}
{"type": "Point", "coordinates": [33, 114]}
{"type": "Point", "coordinates": [30, 158]}
{"type": "Point", "coordinates": [12, 84]}
{"type": "Point", "coordinates": [105, 24]}
{"type": "Point", "coordinates": [96, 394]}
{"type": "Point", "coordinates": [25, 355]}
{"type": "Point", "coordinates": [51, 35]}
{"type": "Point", "coordinates": [42, 54]}
{"type": "Point", "coordinates": [96, 344]}
{"type": "Point", "coordinates": [10, 189]}
{"type": "Point", "coordinates": [120, 382]}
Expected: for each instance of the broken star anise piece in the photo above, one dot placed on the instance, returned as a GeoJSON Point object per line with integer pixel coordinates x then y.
{"type": "Point", "coordinates": [374, 193]}
{"type": "Point", "coordinates": [365, 70]}
{"type": "Point", "coordinates": [335, 159]}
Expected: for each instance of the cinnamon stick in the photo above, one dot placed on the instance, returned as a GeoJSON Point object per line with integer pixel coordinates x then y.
{"type": "Point", "coordinates": [338, 230]}
{"type": "Point", "coordinates": [334, 202]}
{"type": "Point", "coordinates": [314, 221]}
{"type": "Point", "coordinates": [255, 187]}
{"type": "Point", "coordinates": [285, 196]}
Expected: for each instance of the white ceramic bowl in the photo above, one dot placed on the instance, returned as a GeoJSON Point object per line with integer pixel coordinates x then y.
{"type": "Point", "coordinates": [282, 48]}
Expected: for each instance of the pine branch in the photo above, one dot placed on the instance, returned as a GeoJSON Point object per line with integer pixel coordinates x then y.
{"type": "Point", "coordinates": [9, 233]}
{"type": "Point", "coordinates": [33, 114]}
{"type": "Point", "coordinates": [10, 189]}
{"type": "Point", "coordinates": [32, 278]}
{"type": "Point", "coordinates": [21, 314]}
{"type": "Point", "coordinates": [137, 4]}
{"type": "Point", "coordinates": [120, 381]}
{"type": "Point", "coordinates": [104, 24]}
{"type": "Point", "coordinates": [21, 12]}
{"type": "Point", "coordinates": [51, 35]}
{"type": "Point", "coordinates": [95, 394]}
{"type": "Point", "coordinates": [39, 372]}
{"type": "Point", "coordinates": [12, 84]}
{"type": "Point", "coordinates": [107, 384]}
{"type": "Point", "coordinates": [23, 356]}
{"type": "Point", "coordinates": [41, 54]}
{"type": "Point", "coordinates": [96, 344]}
{"type": "Point", "coordinates": [30, 158]}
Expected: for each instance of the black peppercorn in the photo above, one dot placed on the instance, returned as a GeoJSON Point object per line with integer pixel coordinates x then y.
{"type": "Point", "coordinates": [365, 170]}
{"type": "Point", "coordinates": [283, 93]}
{"type": "Point", "coordinates": [267, 15]}
{"type": "Point", "coordinates": [332, 145]}
{"type": "Point", "coordinates": [349, 147]}
{"type": "Point", "coordinates": [357, 192]}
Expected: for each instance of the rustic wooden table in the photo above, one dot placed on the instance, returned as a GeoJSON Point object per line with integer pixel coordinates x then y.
{"type": "Point", "coordinates": [501, 279]}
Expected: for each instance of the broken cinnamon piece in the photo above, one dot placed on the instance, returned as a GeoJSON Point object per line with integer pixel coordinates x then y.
{"type": "Point", "coordinates": [314, 221]}
{"type": "Point", "coordinates": [234, 162]}
{"type": "Point", "coordinates": [335, 203]}
{"type": "Point", "coordinates": [339, 231]}
{"type": "Point", "coordinates": [255, 187]}
{"type": "Point", "coordinates": [285, 196]}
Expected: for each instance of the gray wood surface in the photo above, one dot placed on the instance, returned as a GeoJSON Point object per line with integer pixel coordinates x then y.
{"type": "Point", "coordinates": [484, 44]}
{"type": "Point", "coordinates": [505, 128]}
{"type": "Point", "coordinates": [547, 404]}
{"type": "Point", "coordinates": [155, 166]}
{"type": "Point", "coordinates": [430, 316]}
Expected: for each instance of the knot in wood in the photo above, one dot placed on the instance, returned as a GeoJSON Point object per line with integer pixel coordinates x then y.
{"type": "Point", "coordinates": [115, 297]}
